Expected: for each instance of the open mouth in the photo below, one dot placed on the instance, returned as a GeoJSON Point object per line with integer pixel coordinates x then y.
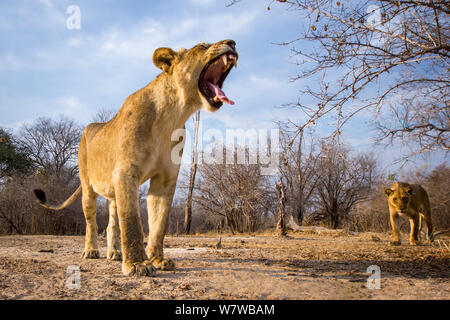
{"type": "Point", "coordinates": [212, 78]}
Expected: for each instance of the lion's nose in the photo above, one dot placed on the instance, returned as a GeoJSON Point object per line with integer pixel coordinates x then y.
{"type": "Point", "coordinates": [230, 42]}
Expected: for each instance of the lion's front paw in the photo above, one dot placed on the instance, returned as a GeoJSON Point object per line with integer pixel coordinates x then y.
{"type": "Point", "coordinates": [163, 264]}
{"type": "Point", "coordinates": [90, 254]}
{"type": "Point", "coordinates": [414, 243]}
{"type": "Point", "coordinates": [395, 243]}
{"type": "Point", "coordinates": [141, 269]}
{"type": "Point", "coordinates": [114, 255]}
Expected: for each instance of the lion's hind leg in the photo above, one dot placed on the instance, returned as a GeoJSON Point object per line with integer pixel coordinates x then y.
{"type": "Point", "coordinates": [419, 235]}
{"type": "Point", "coordinates": [89, 199]}
{"type": "Point", "coordinates": [427, 218]}
{"type": "Point", "coordinates": [425, 211]}
{"type": "Point", "coordinates": [113, 234]}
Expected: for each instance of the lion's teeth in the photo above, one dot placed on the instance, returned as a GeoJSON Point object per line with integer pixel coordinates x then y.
{"type": "Point", "coordinates": [233, 60]}
{"type": "Point", "coordinates": [224, 59]}
{"type": "Point", "coordinates": [216, 99]}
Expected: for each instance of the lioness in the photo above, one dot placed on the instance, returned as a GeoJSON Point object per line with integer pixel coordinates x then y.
{"type": "Point", "coordinates": [116, 157]}
{"type": "Point", "coordinates": [411, 201]}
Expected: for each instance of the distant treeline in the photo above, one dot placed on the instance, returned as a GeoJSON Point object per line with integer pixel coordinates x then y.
{"type": "Point", "coordinates": [326, 184]}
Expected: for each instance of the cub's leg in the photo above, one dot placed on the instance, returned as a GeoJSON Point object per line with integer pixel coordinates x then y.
{"type": "Point", "coordinates": [159, 202]}
{"type": "Point", "coordinates": [427, 218]}
{"type": "Point", "coordinates": [134, 260]}
{"type": "Point", "coordinates": [395, 234]}
{"type": "Point", "coordinates": [414, 230]}
{"type": "Point", "coordinates": [425, 211]}
{"type": "Point", "coordinates": [89, 199]}
{"type": "Point", "coordinates": [420, 227]}
{"type": "Point", "coordinates": [113, 234]}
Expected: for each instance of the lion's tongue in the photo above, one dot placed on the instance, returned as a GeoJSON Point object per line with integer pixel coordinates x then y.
{"type": "Point", "coordinates": [219, 93]}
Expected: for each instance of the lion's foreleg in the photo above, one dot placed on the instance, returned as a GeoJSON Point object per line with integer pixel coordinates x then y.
{"type": "Point", "coordinates": [414, 222]}
{"type": "Point", "coordinates": [395, 234]}
{"type": "Point", "coordinates": [159, 202]}
{"type": "Point", "coordinates": [132, 236]}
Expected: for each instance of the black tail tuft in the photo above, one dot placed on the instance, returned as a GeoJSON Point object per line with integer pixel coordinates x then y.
{"type": "Point", "coordinates": [40, 195]}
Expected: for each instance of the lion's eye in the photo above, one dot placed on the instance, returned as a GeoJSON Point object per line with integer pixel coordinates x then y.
{"type": "Point", "coordinates": [405, 198]}
{"type": "Point", "coordinates": [395, 199]}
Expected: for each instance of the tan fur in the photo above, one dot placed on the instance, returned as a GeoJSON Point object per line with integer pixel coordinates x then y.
{"type": "Point", "coordinates": [410, 201]}
{"type": "Point", "coordinates": [115, 158]}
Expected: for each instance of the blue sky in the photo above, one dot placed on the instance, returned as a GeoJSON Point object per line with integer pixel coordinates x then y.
{"type": "Point", "coordinates": [48, 70]}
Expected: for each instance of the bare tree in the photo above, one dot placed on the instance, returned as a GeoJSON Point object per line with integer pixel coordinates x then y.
{"type": "Point", "coordinates": [104, 115]}
{"type": "Point", "coordinates": [421, 126]}
{"type": "Point", "coordinates": [20, 213]}
{"type": "Point", "coordinates": [237, 192]}
{"type": "Point", "coordinates": [298, 169]}
{"type": "Point", "coordinates": [53, 145]}
{"type": "Point", "coordinates": [342, 182]}
{"type": "Point", "coordinates": [372, 214]}
{"type": "Point", "coordinates": [188, 207]}
{"type": "Point", "coordinates": [365, 55]}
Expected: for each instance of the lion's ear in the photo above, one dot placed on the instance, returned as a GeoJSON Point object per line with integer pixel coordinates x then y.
{"type": "Point", "coordinates": [408, 189]}
{"type": "Point", "coordinates": [388, 192]}
{"type": "Point", "coordinates": [163, 58]}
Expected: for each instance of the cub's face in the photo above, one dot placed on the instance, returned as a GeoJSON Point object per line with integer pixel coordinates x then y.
{"type": "Point", "coordinates": [200, 72]}
{"type": "Point", "coordinates": [400, 198]}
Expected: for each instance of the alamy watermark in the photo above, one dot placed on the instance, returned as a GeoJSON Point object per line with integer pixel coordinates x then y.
{"type": "Point", "coordinates": [385, 27]}
{"type": "Point", "coordinates": [231, 146]}
{"type": "Point", "coordinates": [374, 280]}
{"type": "Point", "coordinates": [73, 282]}
{"type": "Point", "coordinates": [73, 22]}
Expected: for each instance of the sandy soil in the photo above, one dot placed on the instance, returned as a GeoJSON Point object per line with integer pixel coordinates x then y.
{"type": "Point", "coordinates": [306, 265]}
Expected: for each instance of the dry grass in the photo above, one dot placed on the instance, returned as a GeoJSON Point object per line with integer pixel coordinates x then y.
{"type": "Point", "coordinates": [313, 264]}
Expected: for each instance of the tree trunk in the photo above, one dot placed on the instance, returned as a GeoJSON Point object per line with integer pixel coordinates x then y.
{"type": "Point", "coordinates": [230, 222]}
{"type": "Point", "coordinates": [187, 218]}
{"type": "Point", "coordinates": [298, 216]}
{"type": "Point", "coordinates": [281, 225]}
{"type": "Point", "coordinates": [188, 207]}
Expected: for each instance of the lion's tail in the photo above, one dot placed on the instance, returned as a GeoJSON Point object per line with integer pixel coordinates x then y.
{"type": "Point", "coordinates": [41, 198]}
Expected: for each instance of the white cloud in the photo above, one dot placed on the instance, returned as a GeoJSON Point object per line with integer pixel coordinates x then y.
{"type": "Point", "coordinates": [11, 62]}
{"type": "Point", "coordinates": [203, 3]}
{"type": "Point", "coordinates": [141, 40]}
{"type": "Point", "coordinates": [266, 82]}
{"type": "Point", "coordinates": [74, 42]}
{"type": "Point", "coordinates": [47, 3]}
{"type": "Point", "coordinates": [20, 124]}
{"type": "Point", "coordinates": [73, 107]}
{"type": "Point", "coordinates": [71, 103]}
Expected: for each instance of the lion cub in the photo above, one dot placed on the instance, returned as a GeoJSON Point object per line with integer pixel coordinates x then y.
{"type": "Point", "coordinates": [411, 201]}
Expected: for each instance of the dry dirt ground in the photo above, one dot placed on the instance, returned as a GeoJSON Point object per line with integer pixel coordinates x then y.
{"type": "Point", "coordinates": [305, 265]}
